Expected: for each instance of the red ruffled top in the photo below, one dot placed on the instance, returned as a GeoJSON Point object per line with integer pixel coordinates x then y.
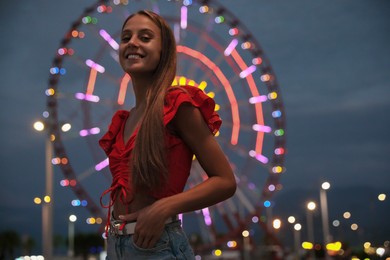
{"type": "Point", "coordinates": [179, 155]}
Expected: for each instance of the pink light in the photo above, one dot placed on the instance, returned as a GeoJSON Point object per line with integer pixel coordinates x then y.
{"type": "Point", "coordinates": [82, 96]}
{"type": "Point", "coordinates": [83, 132]}
{"type": "Point", "coordinates": [101, 165]}
{"type": "Point", "coordinates": [254, 100]}
{"type": "Point", "coordinates": [92, 131]}
{"type": "Point", "coordinates": [225, 83]}
{"type": "Point", "coordinates": [258, 108]}
{"type": "Point", "coordinates": [109, 39]}
{"type": "Point", "coordinates": [94, 65]}
{"type": "Point", "coordinates": [258, 156]}
{"type": "Point", "coordinates": [230, 47]}
{"type": "Point", "coordinates": [261, 128]}
{"type": "Point", "coordinates": [247, 71]}
{"type": "Point", "coordinates": [123, 88]}
{"type": "Point", "coordinates": [206, 216]}
{"type": "Point", "coordinates": [183, 21]}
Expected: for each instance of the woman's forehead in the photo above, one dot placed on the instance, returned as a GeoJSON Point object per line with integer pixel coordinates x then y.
{"type": "Point", "coordinates": [140, 22]}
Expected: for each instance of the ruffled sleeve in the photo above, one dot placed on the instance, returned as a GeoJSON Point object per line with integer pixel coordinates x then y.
{"type": "Point", "coordinates": [108, 138]}
{"type": "Point", "coordinates": [187, 94]}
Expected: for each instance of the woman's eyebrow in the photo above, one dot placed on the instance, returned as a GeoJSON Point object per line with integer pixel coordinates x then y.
{"type": "Point", "coordinates": [146, 30]}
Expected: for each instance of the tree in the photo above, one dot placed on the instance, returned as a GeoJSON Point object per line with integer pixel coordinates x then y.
{"type": "Point", "coordinates": [9, 241]}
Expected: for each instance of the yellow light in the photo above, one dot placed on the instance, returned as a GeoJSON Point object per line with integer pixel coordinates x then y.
{"type": "Point", "coordinates": [336, 246]}
{"type": "Point", "coordinates": [276, 223]}
{"type": "Point", "coordinates": [191, 83]}
{"type": "Point", "coordinates": [39, 126]}
{"type": "Point", "coordinates": [245, 233]}
{"type": "Point", "coordinates": [47, 199]}
{"type": "Point", "coordinates": [347, 215]}
{"type": "Point", "coordinates": [217, 107]}
{"type": "Point", "coordinates": [291, 219]}
{"type": "Point", "coordinates": [37, 201]}
{"type": "Point", "coordinates": [354, 226]}
{"type": "Point", "coordinates": [182, 81]}
{"type": "Point", "coordinates": [174, 83]}
{"type": "Point", "coordinates": [92, 221]}
{"type": "Point", "coordinates": [307, 245]}
{"type": "Point", "coordinates": [202, 85]}
{"type": "Point", "coordinates": [381, 197]}
{"type": "Point", "coordinates": [66, 127]}
{"type": "Point", "coordinates": [211, 94]}
{"type": "Point", "coordinates": [52, 138]}
{"type": "Point", "coordinates": [232, 244]}
{"type": "Point", "coordinates": [217, 252]}
{"type": "Point", "coordinates": [272, 95]}
{"type": "Point", "coordinates": [367, 245]}
{"type": "Point", "coordinates": [50, 92]}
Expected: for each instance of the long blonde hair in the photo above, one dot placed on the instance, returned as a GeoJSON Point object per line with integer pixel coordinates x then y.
{"type": "Point", "coordinates": [149, 162]}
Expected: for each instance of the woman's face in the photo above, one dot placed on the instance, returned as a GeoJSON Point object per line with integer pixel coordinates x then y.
{"type": "Point", "coordinates": [140, 46]}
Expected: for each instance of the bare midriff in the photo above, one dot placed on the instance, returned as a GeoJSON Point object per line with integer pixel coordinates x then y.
{"type": "Point", "coordinates": [139, 202]}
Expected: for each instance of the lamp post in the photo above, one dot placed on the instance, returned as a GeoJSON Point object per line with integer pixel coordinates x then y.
{"type": "Point", "coordinates": [324, 215]}
{"type": "Point", "coordinates": [72, 220]}
{"type": "Point", "coordinates": [47, 208]}
{"type": "Point", "coordinates": [297, 239]}
{"type": "Point", "coordinates": [309, 217]}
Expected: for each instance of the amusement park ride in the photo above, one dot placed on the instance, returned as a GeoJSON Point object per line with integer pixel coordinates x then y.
{"type": "Point", "coordinates": [216, 53]}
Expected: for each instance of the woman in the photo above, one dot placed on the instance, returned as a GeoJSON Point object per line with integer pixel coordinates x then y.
{"type": "Point", "coordinates": [150, 149]}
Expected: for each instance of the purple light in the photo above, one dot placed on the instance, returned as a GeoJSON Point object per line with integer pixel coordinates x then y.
{"type": "Point", "coordinates": [251, 186]}
{"type": "Point", "coordinates": [247, 71]}
{"type": "Point", "coordinates": [206, 216]}
{"type": "Point", "coordinates": [94, 65]}
{"type": "Point", "coordinates": [94, 130]}
{"type": "Point", "coordinates": [109, 39]}
{"type": "Point", "coordinates": [261, 128]}
{"type": "Point", "coordinates": [230, 47]}
{"type": "Point", "coordinates": [83, 132]}
{"type": "Point", "coordinates": [261, 158]}
{"type": "Point", "coordinates": [258, 99]}
{"type": "Point", "coordinates": [102, 165]}
{"type": "Point", "coordinates": [86, 97]}
{"type": "Point", "coordinates": [183, 21]}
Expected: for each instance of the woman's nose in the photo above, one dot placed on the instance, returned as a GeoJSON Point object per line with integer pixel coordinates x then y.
{"type": "Point", "coordinates": [134, 41]}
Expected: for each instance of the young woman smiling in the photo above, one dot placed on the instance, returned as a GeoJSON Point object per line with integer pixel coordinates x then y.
{"type": "Point", "coordinates": [151, 146]}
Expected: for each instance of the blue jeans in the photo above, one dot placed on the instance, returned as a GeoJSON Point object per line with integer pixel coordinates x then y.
{"type": "Point", "coordinates": [173, 244]}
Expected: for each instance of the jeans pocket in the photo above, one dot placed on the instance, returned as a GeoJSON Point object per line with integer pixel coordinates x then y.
{"type": "Point", "coordinates": [161, 244]}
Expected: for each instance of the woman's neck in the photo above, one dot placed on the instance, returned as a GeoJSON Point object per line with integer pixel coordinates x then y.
{"type": "Point", "coordinates": [141, 85]}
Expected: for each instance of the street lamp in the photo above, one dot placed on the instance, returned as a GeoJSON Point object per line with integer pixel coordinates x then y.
{"type": "Point", "coordinates": [297, 238]}
{"type": "Point", "coordinates": [47, 208]}
{"type": "Point", "coordinates": [72, 220]}
{"type": "Point", "coordinates": [324, 214]}
{"type": "Point", "coordinates": [309, 217]}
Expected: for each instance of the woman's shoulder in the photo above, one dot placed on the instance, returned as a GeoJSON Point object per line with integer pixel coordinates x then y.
{"type": "Point", "coordinates": [194, 96]}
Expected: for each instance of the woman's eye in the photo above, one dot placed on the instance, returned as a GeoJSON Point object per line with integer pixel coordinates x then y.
{"type": "Point", "coordinates": [125, 38]}
{"type": "Point", "coordinates": [145, 38]}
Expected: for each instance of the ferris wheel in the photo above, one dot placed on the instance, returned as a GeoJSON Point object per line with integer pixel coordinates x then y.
{"type": "Point", "coordinates": [216, 53]}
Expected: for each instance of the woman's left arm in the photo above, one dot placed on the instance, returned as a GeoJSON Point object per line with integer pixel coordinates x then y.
{"type": "Point", "coordinates": [221, 184]}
